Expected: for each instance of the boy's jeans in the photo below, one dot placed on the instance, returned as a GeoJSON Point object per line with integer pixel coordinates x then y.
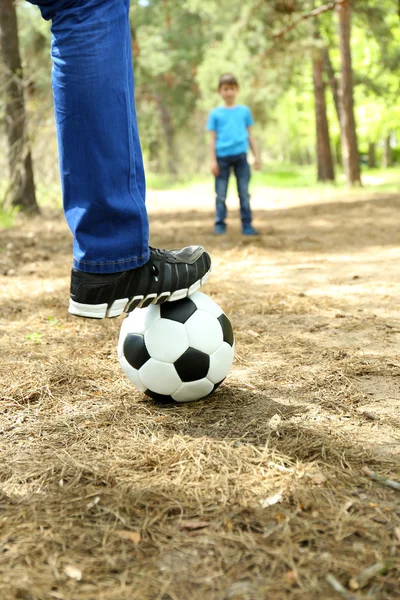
{"type": "Point", "coordinates": [241, 170]}
{"type": "Point", "coordinates": [101, 166]}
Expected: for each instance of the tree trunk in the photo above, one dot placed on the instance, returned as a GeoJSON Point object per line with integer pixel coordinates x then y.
{"type": "Point", "coordinates": [387, 153]}
{"type": "Point", "coordinates": [324, 154]}
{"type": "Point", "coordinates": [300, 158]}
{"type": "Point", "coordinates": [372, 155]}
{"type": "Point", "coordinates": [333, 82]}
{"type": "Point", "coordinates": [338, 153]}
{"type": "Point", "coordinates": [22, 188]}
{"type": "Point", "coordinates": [166, 122]}
{"type": "Point", "coordinates": [154, 156]}
{"type": "Point", "coordinates": [351, 161]}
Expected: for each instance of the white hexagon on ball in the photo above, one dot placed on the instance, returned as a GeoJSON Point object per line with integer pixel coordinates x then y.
{"type": "Point", "coordinates": [166, 340]}
{"type": "Point", "coordinates": [204, 302]}
{"type": "Point", "coordinates": [139, 321]}
{"type": "Point", "coordinates": [132, 374]}
{"type": "Point", "coordinates": [220, 363]}
{"type": "Point", "coordinates": [160, 377]}
{"type": "Point", "coordinates": [193, 390]}
{"type": "Point", "coordinates": [204, 332]}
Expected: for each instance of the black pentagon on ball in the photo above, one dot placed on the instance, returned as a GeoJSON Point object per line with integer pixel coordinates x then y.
{"type": "Point", "coordinates": [226, 329]}
{"type": "Point", "coordinates": [179, 311]}
{"type": "Point", "coordinates": [217, 385]}
{"type": "Point", "coordinates": [192, 365]}
{"type": "Point", "coordinates": [135, 350]}
{"type": "Point", "coordinates": [160, 398]}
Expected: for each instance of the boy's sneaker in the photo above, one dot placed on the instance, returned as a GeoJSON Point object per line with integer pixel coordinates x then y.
{"type": "Point", "coordinates": [168, 275]}
{"type": "Point", "coordinates": [219, 229]}
{"type": "Point", "coordinates": [249, 230]}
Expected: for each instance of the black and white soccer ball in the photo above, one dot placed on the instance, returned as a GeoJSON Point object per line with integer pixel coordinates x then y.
{"type": "Point", "coordinates": [179, 351]}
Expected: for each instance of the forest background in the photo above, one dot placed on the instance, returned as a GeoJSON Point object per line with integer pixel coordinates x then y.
{"type": "Point", "coordinates": [302, 66]}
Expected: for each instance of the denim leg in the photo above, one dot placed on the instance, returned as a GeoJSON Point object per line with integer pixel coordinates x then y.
{"type": "Point", "coordinates": [242, 173]}
{"type": "Point", "coordinates": [221, 189]}
{"type": "Point", "coordinates": [101, 164]}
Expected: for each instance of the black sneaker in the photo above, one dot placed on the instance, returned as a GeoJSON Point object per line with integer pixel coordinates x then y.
{"type": "Point", "coordinates": [168, 275]}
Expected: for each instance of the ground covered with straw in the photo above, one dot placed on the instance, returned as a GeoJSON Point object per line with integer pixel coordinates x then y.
{"type": "Point", "coordinates": [257, 493]}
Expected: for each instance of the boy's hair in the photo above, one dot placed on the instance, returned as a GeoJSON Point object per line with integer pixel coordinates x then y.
{"type": "Point", "coordinates": [227, 79]}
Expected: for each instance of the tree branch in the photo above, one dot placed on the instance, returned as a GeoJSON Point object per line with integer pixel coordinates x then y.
{"type": "Point", "coordinates": [314, 13]}
{"type": "Point", "coordinates": [395, 485]}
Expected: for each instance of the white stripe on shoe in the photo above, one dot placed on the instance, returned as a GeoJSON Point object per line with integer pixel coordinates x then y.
{"type": "Point", "coordinates": [93, 311]}
{"type": "Point", "coordinates": [100, 311]}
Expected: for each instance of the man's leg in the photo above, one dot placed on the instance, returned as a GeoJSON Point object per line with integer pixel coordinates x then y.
{"type": "Point", "coordinates": [221, 189]}
{"type": "Point", "coordinates": [101, 166]}
{"type": "Point", "coordinates": [243, 174]}
{"type": "Point", "coordinates": [100, 157]}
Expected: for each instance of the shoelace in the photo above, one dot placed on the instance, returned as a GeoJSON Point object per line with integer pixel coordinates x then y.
{"type": "Point", "coordinates": [158, 252]}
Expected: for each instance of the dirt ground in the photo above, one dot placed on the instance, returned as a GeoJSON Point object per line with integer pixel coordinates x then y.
{"type": "Point", "coordinates": [256, 493]}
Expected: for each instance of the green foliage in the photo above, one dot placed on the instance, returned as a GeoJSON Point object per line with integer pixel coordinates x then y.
{"type": "Point", "coordinates": [180, 48]}
{"type": "Point", "coordinates": [54, 322]}
{"type": "Point", "coordinates": [376, 44]}
{"type": "Point", "coordinates": [275, 74]}
{"type": "Point", "coordinates": [7, 217]}
{"type": "Point", "coordinates": [35, 337]}
{"type": "Point", "coordinates": [6, 220]}
{"type": "Point", "coordinates": [285, 176]}
{"type": "Point", "coordinates": [288, 176]}
{"type": "Point", "coordinates": [34, 39]}
{"type": "Point", "coordinates": [294, 177]}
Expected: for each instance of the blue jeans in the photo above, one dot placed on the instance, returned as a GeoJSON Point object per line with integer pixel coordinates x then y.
{"type": "Point", "coordinates": [242, 173]}
{"type": "Point", "coordinates": [102, 175]}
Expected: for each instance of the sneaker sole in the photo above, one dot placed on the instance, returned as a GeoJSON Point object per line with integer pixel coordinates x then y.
{"type": "Point", "coordinates": [122, 305]}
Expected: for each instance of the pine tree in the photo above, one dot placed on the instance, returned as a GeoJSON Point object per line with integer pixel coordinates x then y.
{"type": "Point", "coordinates": [22, 187]}
{"type": "Point", "coordinates": [350, 154]}
{"type": "Point", "coordinates": [325, 168]}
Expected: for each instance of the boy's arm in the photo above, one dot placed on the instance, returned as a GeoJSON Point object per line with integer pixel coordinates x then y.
{"type": "Point", "coordinates": [254, 149]}
{"type": "Point", "coordinates": [213, 154]}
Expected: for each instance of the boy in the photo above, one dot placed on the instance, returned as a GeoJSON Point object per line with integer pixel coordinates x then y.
{"type": "Point", "coordinates": [230, 129]}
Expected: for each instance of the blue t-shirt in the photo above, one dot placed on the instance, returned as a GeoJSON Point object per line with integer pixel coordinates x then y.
{"type": "Point", "coordinates": [231, 126]}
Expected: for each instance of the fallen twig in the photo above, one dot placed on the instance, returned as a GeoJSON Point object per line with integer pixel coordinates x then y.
{"type": "Point", "coordinates": [395, 485]}
{"type": "Point", "coordinates": [337, 586]}
{"type": "Point", "coordinates": [363, 578]}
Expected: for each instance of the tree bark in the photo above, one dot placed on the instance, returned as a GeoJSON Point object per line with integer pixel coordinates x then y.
{"type": "Point", "coordinates": [351, 160]}
{"type": "Point", "coordinates": [22, 187]}
{"type": "Point", "coordinates": [324, 154]}
{"type": "Point", "coordinates": [166, 122]}
{"type": "Point", "coordinates": [338, 153]}
{"type": "Point", "coordinates": [286, 7]}
{"type": "Point", "coordinates": [372, 155]}
{"type": "Point", "coordinates": [387, 153]}
{"type": "Point", "coordinates": [333, 82]}
{"type": "Point", "coordinates": [154, 156]}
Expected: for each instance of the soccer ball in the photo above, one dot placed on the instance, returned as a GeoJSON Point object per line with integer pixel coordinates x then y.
{"type": "Point", "coordinates": [179, 351]}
